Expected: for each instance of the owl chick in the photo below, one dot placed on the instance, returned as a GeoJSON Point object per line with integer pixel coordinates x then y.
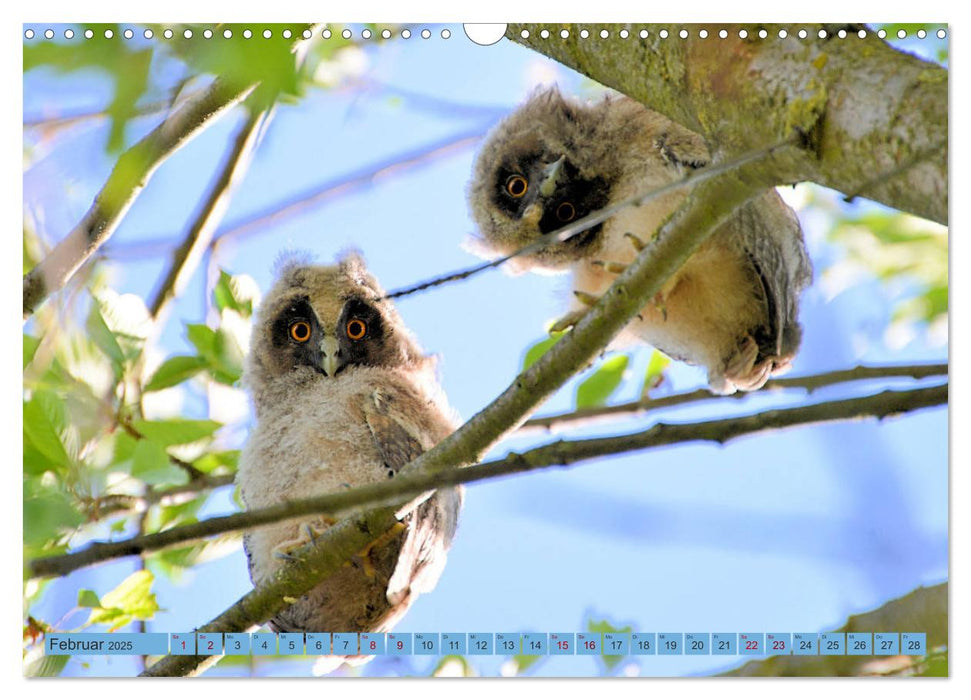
{"type": "Point", "coordinates": [733, 305]}
{"type": "Point", "coordinates": [343, 397]}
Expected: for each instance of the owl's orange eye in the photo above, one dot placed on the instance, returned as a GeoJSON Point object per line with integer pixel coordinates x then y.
{"type": "Point", "coordinates": [566, 212]}
{"type": "Point", "coordinates": [356, 328]}
{"type": "Point", "coordinates": [516, 186]}
{"type": "Point", "coordinates": [300, 331]}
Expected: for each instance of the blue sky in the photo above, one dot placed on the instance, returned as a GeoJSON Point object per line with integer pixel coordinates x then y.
{"type": "Point", "coordinates": [791, 531]}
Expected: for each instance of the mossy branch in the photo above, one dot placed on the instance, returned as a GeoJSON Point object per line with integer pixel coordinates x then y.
{"type": "Point", "coordinates": [864, 107]}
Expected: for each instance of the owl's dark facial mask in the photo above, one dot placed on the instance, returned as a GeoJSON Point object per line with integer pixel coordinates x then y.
{"type": "Point", "coordinates": [358, 338]}
{"type": "Point", "coordinates": [563, 195]}
{"type": "Point", "coordinates": [361, 334]}
{"type": "Point", "coordinates": [296, 336]}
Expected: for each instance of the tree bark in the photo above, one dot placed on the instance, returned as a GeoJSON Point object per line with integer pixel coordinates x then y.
{"type": "Point", "coordinates": [874, 117]}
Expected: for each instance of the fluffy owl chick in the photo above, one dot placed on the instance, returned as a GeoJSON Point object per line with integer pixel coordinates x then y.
{"type": "Point", "coordinates": [733, 305]}
{"type": "Point", "coordinates": [343, 397]}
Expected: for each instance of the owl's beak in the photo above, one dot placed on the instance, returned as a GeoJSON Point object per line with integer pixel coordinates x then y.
{"type": "Point", "coordinates": [330, 360]}
{"type": "Point", "coordinates": [551, 173]}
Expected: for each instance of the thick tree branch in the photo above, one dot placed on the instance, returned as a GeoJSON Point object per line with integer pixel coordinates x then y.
{"type": "Point", "coordinates": [865, 107]}
{"type": "Point", "coordinates": [561, 453]}
{"type": "Point", "coordinates": [588, 416]}
{"type": "Point", "coordinates": [922, 610]}
{"type": "Point", "coordinates": [132, 172]}
{"type": "Point", "coordinates": [704, 209]}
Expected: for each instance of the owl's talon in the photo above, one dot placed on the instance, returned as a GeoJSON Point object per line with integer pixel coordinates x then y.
{"type": "Point", "coordinates": [635, 241]}
{"type": "Point", "coordinates": [568, 321]}
{"type": "Point", "coordinates": [585, 297]}
{"type": "Point", "coordinates": [365, 554]}
{"type": "Point", "coordinates": [743, 369]}
{"type": "Point", "coordinates": [306, 534]}
{"type": "Point", "coordinates": [609, 266]}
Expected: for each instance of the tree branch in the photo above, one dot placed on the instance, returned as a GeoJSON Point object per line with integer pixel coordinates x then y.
{"type": "Point", "coordinates": [304, 201]}
{"type": "Point", "coordinates": [561, 453]}
{"type": "Point", "coordinates": [187, 256]}
{"type": "Point", "coordinates": [922, 610]}
{"type": "Point", "coordinates": [588, 416]}
{"type": "Point", "coordinates": [117, 503]}
{"type": "Point", "coordinates": [704, 209]}
{"type": "Point", "coordinates": [131, 173]}
{"type": "Point", "coordinates": [864, 106]}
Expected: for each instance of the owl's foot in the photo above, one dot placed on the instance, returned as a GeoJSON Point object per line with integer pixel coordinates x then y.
{"type": "Point", "coordinates": [365, 554]}
{"type": "Point", "coordinates": [306, 534]}
{"type": "Point", "coordinates": [638, 243]}
{"type": "Point", "coordinates": [571, 318]}
{"type": "Point", "coordinates": [742, 371]}
{"type": "Point", "coordinates": [613, 267]}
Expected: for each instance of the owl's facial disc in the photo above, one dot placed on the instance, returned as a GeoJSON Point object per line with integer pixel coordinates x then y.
{"type": "Point", "coordinates": [544, 193]}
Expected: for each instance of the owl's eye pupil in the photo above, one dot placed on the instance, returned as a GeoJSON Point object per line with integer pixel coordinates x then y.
{"type": "Point", "coordinates": [300, 331]}
{"type": "Point", "coordinates": [516, 186]}
{"type": "Point", "coordinates": [356, 328]}
{"type": "Point", "coordinates": [566, 212]}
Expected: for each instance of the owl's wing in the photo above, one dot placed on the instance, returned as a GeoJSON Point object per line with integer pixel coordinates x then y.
{"type": "Point", "coordinates": [773, 242]}
{"type": "Point", "coordinates": [432, 524]}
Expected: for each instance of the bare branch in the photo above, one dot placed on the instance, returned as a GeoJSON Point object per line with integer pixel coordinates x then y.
{"type": "Point", "coordinates": [560, 453]}
{"type": "Point", "coordinates": [588, 416]}
{"type": "Point", "coordinates": [198, 237]}
{"type": "Point", "coordinates": [345, 184]}
{"type": "Point", "coordinates": [864, 106]}
{"type": "Point", "coordinates": [922, 610]}
{"type": "Point", "coordinates": [122, 503]}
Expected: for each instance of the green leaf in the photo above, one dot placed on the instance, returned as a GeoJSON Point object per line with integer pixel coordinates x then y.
{"type": "Point", "coordinates": [30, 347]}
{"type": "Point", "coordinates": [37, 664]}
{"type": "Point", "coordinates": [45, 419]}
{"type": "Point", "coordinates": [655, 371]}
{"type": "Point", "coordinates": [175, 370]}
{"type": "Point", "coordinates": [88, 599]}
{"type": "Point", "coordinates": [597, 388]}
{"type": "Point", "coordinates": [131, 600]}
{"type": "Point", "coordinates": [151, 463]}
{"type": "Point", "coordinates": [211, 461]}
{"type": "Point", "coordinates": [226, 295]}
{"type": "Point", "coordinates": [47, 514]}
{"type": "Point", "coordinates": [540, 348]}
{"type": "Point", "coordinates": [127, 67]}
{"type": "Point", "coordinates": [241, 62]}
{"type": "Point", "coordinates": [603, 626]}
{"type": "Point", "coordinates": [176, 431]}
{"type": "Point", "coordinates": [220, 350]}
{"type": "Point", "coordinates": [104, 338]}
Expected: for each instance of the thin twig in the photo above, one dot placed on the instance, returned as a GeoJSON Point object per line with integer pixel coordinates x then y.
{"type": "Point", "coordinates": [351, 182]}
{"type": "Point", "coordinates": [595, 218]}
{"type": "Point", "coordinates": [810, 383]}
{"type": "Point", "coordinates": [118, 503]}
{"type": "Point", "coordinates": [561, 453]}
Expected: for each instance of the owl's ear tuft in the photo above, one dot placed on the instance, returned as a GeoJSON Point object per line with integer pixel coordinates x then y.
{"type": "Point", "coordinates": [351, 262]}
{"type": "Point", "coordinates": [290, 259]}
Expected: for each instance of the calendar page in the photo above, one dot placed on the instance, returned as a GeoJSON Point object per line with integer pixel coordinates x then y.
{"type": "Point", "coordinates": [485, 350]}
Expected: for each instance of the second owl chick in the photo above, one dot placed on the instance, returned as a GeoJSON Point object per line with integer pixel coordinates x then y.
{"type": "Point", "coordinates": [732, 307]}
{"type": "Point", "coordinates": [343, 397]}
